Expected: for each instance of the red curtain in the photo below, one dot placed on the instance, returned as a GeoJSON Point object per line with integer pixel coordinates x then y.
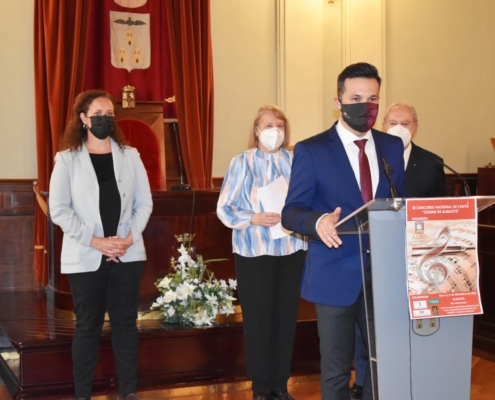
{"type": "Point", "coordinates": [192, 69]}
{"type": "Point", "coordinates": [60, 30]}
{"type": "Point", "coordinates": [154, 83]}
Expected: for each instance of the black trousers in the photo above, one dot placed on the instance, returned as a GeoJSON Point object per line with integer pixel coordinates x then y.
{"type": "Point", "coordinates": [114, 286]}
{"type": "Point", "coordinates": [269, 296]}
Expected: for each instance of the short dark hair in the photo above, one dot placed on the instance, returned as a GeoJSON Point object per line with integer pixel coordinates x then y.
{"type": "Point", "coordinates": [358, 70]}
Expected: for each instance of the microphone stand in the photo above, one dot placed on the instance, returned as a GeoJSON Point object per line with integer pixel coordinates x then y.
{"type": "Point", "coordinates": [467, 191]}
{"type": "Point", "coordinates": [393, 191]}
{"type": "Point", "coordinates": [182, 186]}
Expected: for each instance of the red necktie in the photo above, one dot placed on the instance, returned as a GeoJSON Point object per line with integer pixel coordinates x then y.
{"type": "Point", "coordinates": [364, 171]}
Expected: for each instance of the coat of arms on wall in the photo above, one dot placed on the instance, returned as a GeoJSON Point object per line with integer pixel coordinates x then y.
{"type": "Point", "coordinates": [130, 40]}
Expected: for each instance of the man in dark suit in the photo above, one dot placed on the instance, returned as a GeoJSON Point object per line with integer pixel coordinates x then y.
{"type": "Point", "coordinates": [333, 174]}
{"type": "Point", "coordinates": [425, 176]}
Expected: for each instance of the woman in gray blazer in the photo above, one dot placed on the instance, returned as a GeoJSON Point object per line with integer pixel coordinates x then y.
{"type": "Point", "coordinates": [100, 197]}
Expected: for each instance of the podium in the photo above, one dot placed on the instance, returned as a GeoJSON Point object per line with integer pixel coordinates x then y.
{"type": "Point", "coordinates": [404, 364]}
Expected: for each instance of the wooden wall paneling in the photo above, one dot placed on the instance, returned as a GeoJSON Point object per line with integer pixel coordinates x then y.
{"type": "Point", "coordinates": [171, 216]}
{"type": "Point", "coordinates": [17, 254]}
{"type": "Point", "coordinates": [454, 186]}
{"type": "Point", "coordinates": [484, 324]}
{"type": "Point", "coordinates": [59, 289]}
{"type": "Point", "coordinates": [486, 254]}
{"type": "Point", "coordinates": [217, 182]}
{"type": "Point", "coordinates": [17, 197]}
{"type": "Point", "coordinates": [212, 241]}
{"type": "Point", "coordinates": [486, 181]}
{"type": "Point", "coordinates": [17, 205]}
{"type": "Point", "coordinates": [150, 112]}
{"type": "Point", "coordinates": [173, 170]}
{"type": "Point", "coordinates": [170, 355]}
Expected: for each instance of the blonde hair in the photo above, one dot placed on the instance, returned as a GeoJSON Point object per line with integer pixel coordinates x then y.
{"type": "Point", "coordinates": [277, 113]}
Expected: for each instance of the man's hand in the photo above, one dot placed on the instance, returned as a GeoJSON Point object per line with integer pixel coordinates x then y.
{"type": "Point", "coordinates": [326, 229]}
{"type": "Point", "coordinates": [265, 219]}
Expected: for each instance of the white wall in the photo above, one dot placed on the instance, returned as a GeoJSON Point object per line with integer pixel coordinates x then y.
{"type": "Point", "coordinates": [244, 68]}
{"type": "Point", "coordinates": [266, 52]}
{"type": "Point", "coordinates": [438, 55]}
{"type": "Point", "coordinates": [17, 119]}
{"type": "Point", "coordinates": [441, 58]}
{"type": "Point", "coordinates": [303, 41]}
{"type": "Point", "coordinates": [332, 58]}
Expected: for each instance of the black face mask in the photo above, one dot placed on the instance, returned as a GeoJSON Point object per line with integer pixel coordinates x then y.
{"type": "Point", "coordinates": [102, 126]}
{"type": "Point", "coordinates": [360, 116]}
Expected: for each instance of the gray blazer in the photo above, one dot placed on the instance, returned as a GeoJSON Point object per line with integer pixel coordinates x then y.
{"type": "Point", "coordinates": [74, 205]}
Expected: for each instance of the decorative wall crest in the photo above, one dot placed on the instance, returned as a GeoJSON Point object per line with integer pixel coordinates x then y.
{"type": "Point", "coordinates": [130, 40]}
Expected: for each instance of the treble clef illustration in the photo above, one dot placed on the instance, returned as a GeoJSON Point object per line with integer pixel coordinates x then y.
{"type": "Point", "coordinates": [430, 270]}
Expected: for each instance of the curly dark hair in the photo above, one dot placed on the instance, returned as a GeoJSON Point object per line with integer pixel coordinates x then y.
{"type": "Point", "coordinates": [75, 134]}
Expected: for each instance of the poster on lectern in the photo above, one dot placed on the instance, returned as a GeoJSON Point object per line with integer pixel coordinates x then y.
{"type": "Point", "coordinates": [442, 257]}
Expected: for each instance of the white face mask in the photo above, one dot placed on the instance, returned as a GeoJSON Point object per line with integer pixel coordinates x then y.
{"type": "Point", "coordinates": [271, 138]}
{"type": "Point", "coordinates": [402, 132]}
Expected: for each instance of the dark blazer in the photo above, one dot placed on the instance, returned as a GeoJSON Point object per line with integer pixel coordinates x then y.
{"type": "Point", "coordinates": [321, 180]}
{"type": "Point", "coordinates": [425, 177]}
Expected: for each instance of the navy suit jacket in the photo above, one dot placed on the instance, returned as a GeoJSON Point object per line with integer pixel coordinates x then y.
{"type": "Point", "coordinates": [321, 180]}
{"type": "Point", "coordinates": [425, 176]}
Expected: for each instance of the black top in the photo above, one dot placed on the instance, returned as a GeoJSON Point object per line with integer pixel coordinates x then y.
{"type": "Point", "coordinates": [425, 176]}
{"type": "Point", "coordinates": [109, 192]}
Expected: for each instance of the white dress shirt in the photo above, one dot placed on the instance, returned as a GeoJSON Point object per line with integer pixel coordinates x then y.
{"type": "Point", "coordinates": [348, 138]}
{"type": "Point", "coordinates": [352, 151]}
{"type": "Point", "coordinates": [407, 154]}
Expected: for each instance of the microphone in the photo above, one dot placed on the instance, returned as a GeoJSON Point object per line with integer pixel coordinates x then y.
{"type": "Point", "coordinates": [181, 186]}
{"type": "Point", "coordinates": [387, 169]}
{"type": "Point", "coordinates": [467, 191]}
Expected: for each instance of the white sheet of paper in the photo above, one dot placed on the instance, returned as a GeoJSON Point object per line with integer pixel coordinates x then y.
{"type": "Point", "coordinates": [272, 198]}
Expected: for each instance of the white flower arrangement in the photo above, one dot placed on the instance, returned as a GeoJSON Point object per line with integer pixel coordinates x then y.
{"type": "Point", "coordinates": [191, 294]}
